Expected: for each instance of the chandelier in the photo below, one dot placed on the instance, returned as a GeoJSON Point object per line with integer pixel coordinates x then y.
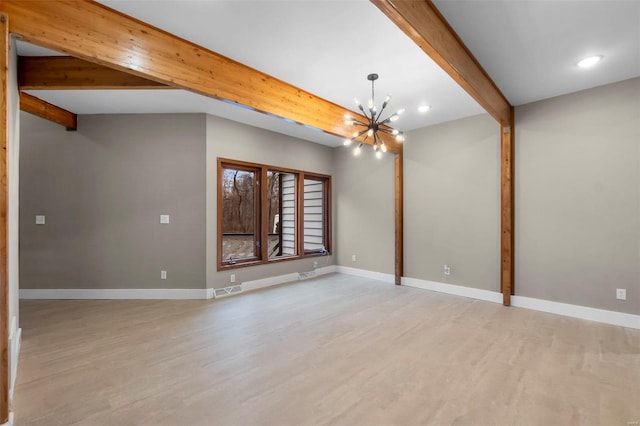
{"type": "Point", "coordinates": [375, 126]}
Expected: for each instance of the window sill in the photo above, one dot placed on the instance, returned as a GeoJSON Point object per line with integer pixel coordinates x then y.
{"type": "Point", "coordinates": [246, 264]}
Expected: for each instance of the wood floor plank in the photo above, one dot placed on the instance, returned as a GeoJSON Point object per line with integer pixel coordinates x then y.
{"type": "Point", "coordinates": [333, 350]}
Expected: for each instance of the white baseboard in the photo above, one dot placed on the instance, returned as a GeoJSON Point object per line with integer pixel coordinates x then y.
{"type": "Point", "coordinates": [378, 276]}
{"type": "Point", "coordinates": [210, 293]}
{"type": "Point", "coordinates": [134, 293]}
{"type": "Point", "coordinates": [565, 309]}
{"type": "Point", "coordinates": [15, 339]}
{"type": "Point", "coordinates": [269, 281]}
{"type": "Point", "coordinates": [286, 278]}
{"type": "Point", "coordinates": [576, 311]}
{"type": "Point", "coordinates": [458, 290]}
{"type": "Point", "coordinates": [170, 293]}
{"type": "Point", "coordinates": [10, 422]}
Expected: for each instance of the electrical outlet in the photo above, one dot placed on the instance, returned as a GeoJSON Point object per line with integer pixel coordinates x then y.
{"type": "Point", "coordinates": [621, 293]}
{"type": "Point", "coordinates": [353, 257]}
{"type": "Point", "coordinates": [232, 278]}
{"type": "Point", "coordinates": [163, 275]}
{"type": "Point", "coordinates": [447, 270]}
{"type": "Point", "coordinates": [315, 265]}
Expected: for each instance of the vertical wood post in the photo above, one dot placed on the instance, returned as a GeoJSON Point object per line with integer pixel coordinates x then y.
{"type": "Point", "coordinates": [507, 212]}
{"type": "Point", "coordinates": [399, 210]}
{"type": "Point", "coordinates": [4, 275]}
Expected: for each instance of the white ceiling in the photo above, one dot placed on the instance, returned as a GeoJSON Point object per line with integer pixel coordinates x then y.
{"type": "Point", "coordinates": [328, 47]}
{"type": "Point", "coordinates": [531, 48]}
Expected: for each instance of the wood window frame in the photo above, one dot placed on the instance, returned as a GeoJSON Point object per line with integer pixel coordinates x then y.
{"type": "Point", "coordinates": [260, 200]}
{"type": "Point", "coordinates": [257, 226]}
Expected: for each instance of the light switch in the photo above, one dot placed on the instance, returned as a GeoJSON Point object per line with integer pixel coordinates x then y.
{"type": "Point", "coordinates": [39, 219]}
{"type": "Point", "coordinates": [164, 218]}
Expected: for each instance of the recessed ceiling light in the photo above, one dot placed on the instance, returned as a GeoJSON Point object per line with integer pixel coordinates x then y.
{"type": "Point", "coordinates": [424, 108]}
{"type": "Point", "coordinates": [590, 61]}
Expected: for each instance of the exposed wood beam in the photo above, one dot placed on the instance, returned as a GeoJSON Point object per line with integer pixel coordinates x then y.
{"type": "Point", "coordinates": [424, 24]}
{"type": "Point", "coordinates": [422, 21]}
{"type": "Point", "coordinates": [399, 215]}
{"type": "Point", "coordinates": [93, 32]}
{"type": "Point", "coordinates": [44, 109]}
{"type": "Point", "coordinates": [67, 72]}
{"type": "Point", "coordinates": [507, 213]}
{"type": "Point", "coordinates": [4, 197]}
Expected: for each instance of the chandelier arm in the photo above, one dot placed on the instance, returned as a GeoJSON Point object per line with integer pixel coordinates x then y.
{"type": "Point", "coordinates": [384, 105]}
{"type": "Point", "coordinates": [390, 132]}
{"type": "Point", "coordinates": [362, 132]}
{"type": "Point", "coordinates": [363, 111]}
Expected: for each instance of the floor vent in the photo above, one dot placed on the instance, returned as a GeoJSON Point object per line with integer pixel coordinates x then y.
{"type": "Point", "coordinates": [227, 291]}
{"type": "Point", "coordinates": [305, 275]}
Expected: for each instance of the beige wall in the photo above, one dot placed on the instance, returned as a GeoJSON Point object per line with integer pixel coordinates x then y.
{"type": "Point", "coordinates": [578, 197]}
{"type": "Point", "coordinates": [102, 190]}
{"type": "Point", "coordinates": [229, 139]}
{"type": "Point", "coordinates": [452, 184]}
{"type": "Point", "coordinates": [365, 210]}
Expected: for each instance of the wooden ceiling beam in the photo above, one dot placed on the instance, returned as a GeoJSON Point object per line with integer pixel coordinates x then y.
{"type": "Point", "coordinates": [98, 34]}
{"type": "Point", "coordinates": [424, 24]}
{"type": "Point", "coordinates": [44, 109]}
{"type": "Point", "coordinates": [67, 72]}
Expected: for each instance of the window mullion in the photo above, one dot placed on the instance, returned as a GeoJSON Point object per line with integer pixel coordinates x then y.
{"type": "Point", "coordinates": [327, 215]}
{"type": "Point", "coordinates": [300, 214]}
{"type": "Point", "coordinates": [280, 215]}
{"type": "Point", "coordinates": [262, 215]}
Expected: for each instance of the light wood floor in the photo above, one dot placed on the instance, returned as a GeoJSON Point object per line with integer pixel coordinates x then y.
{"type": "Point", "coordinates": [335, 350]}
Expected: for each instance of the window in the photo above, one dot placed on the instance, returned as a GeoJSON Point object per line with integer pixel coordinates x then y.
{"type": "Point", "coordinates": [315, 214]}
{"type": "Point", "coordinates": [239, 213]}
{"type": "Point", "coordinates": [281, 214]}
{"type": "Point", "coordinates": [269, 214]}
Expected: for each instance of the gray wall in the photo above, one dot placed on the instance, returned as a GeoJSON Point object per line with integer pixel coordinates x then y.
{"type": "Point", "coordinates": [102, 190]}
{"type": "Point", "coordinates": [578, 197]}
{"type": "Point", "coordinates": [452, 203]}
{"type": "Point", "coordinates": [577, 200]}
{"type": "Point", "coordinates": [229, 139]}
{"type": "Point", "coordinates": [365, 210]}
